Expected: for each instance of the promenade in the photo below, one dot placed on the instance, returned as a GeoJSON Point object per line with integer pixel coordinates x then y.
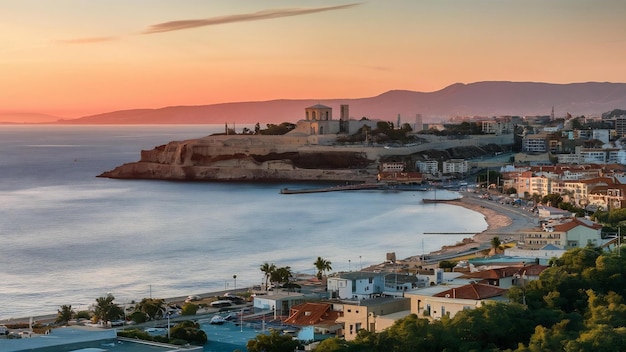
{"type": "Point", "coordinates": [503, 221]}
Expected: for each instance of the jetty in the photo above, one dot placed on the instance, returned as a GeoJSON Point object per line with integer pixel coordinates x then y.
{"type": "Point", "coordinates": [332, 189]}
{"type": "Point", "coordinates": [434, 200]}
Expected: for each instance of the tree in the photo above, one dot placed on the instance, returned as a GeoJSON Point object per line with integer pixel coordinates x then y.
{"type": "Point", "coordinates": [190, 332]}
{"type": "Point", "coordinates": [322, 265]}
{"type": "Point", "coordinates": [333, 344]}
{"type": "Point", "coordinates": [447, 264]}
{"type": "Point", "coordinates": [267, 270]}
{"type": "Point", "coordinates": [495, 244]}
{"type": "Point", "coordinates": [189, 309]}
{"type": "Point", "coordinates": [552, 200]}
{"type": "Point", "coordinates": [272, 342]}
{"type": "Point", "coordinates": [153, 308]}
{"type": "Point", "coordinates": [106, 310]}
{"type": "Point", "coordinates": [282, 275]}
{"type": "Point", "coordinates": [64, 314]}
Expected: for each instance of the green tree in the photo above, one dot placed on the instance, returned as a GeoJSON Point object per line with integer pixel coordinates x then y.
{"type": "Point", "coordinates": [153, 308]}
{"type": "Point", "coordinates": [552, 200]}
{"type": "Point", "coordinates": [83, 314]}
{"type": "Point", "coordinates": [332, 344]}
{"type": "Point", "coordinates": [272, 342]}
{"type": "Point", "coordinates": [495, 244]}
{"type": "Point", "coordinates": [267, 269]}
{"type": "Point", "coordinates": [64, 314]}
{"type": "Point", "coordinates": [189, 309]}
{"type": "Point", "coordinates": [190, 332]}
{"type": "Point", "coordinates": [282, 275]}
{"type": "Point", "coordinates": [447, 264]}
{"type": "Point", "coordinates": [106, 310]}
{"type": "Point", "coordinates": [322, 265]}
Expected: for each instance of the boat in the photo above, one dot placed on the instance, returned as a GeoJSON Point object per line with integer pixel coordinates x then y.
{"type": "Point", "coordinates": [217, 320]}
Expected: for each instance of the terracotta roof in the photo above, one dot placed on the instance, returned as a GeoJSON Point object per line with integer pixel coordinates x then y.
{"type": "Point", "coordinates": [307, 314]}
{"type": "Point", "coordinates": [531, 270]}
{"type": "Point", "coordinates": [493, 274]}
{"type": "Point", "coordinates": [472, 291]}
{"type": "Point", "coordinates": [575, 223]}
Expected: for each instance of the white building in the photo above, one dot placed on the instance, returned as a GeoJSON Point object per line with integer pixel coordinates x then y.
{"type": "Point", "coordinates": [428, 167]}
{"type": "Point", "coordinates": [455, 166]}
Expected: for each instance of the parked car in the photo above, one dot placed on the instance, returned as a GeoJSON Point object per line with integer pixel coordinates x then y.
{"type": "Point", "coordinates": [193, 299]}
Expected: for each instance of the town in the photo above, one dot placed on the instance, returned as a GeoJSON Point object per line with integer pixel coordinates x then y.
{"type": "Point", "coordinates": [561, 176]}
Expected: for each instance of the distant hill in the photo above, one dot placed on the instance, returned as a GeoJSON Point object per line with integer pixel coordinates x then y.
{"type": "Point", "coordinates": [18, 118]}
{"type": "Point", "coordinates": [475, 99]}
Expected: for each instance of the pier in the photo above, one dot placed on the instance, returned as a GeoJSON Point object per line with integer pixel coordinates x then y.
{"type": "Point", "coordinates": [332, 189]}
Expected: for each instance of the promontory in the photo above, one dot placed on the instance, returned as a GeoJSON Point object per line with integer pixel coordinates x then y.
{"type": "Point", "coordinates": [317, 148]}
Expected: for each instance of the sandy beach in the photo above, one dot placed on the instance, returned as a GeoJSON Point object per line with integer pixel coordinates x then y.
{"type": "Point", "coordinates": [502, 221]}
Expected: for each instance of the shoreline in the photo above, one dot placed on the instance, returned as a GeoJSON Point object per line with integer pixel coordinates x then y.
{"type": "Point", "coordinates": [502, 221]}
{"type": "Point", "coordinates": [499, 219]}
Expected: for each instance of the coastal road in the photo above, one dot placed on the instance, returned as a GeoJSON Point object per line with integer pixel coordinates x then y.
{"type": "Point", "coordinates": [519, 219]}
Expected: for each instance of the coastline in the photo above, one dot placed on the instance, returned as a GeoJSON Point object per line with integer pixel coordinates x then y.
{"type": "Point", "coordinates": [502, 221]}
{"type": "Point", "coordinates": [499, 219]}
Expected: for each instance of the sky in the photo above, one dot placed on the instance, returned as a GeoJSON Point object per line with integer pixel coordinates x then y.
{"type": "Point", "coordinates": [74, 58]}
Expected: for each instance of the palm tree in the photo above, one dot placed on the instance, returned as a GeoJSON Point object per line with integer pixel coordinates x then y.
{"type": "Point", "coordinates": [495, 244]}
{"type": "Point", "coordinates": [322, 265]}
{"type": "Point", "coordinates": [267, 269]}
{"type": "Point", "coordinates": [105, 310]}
{"type": "Point", "coordinates": [282, 275]}
{"type": "Point", "coordinates": [64, 314]}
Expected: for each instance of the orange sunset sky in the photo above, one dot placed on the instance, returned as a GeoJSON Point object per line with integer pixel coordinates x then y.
{"type": "Point", "coordinates": [72, 58]}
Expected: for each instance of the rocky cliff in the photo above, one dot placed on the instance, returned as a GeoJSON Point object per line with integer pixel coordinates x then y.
{"type": "Point", "coordinates": [249, 158]}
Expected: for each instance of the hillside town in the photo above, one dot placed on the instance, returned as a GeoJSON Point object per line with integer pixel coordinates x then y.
{"type": "Point", "coordinates": [558, 175]}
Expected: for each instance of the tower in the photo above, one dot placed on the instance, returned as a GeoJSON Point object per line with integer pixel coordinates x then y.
{"type": "Point", "coordinates": [344, 119]}
{"type": "Point", "coordinates": [552, 114]}
{"type": "Point", "coordinates": [419, 124]}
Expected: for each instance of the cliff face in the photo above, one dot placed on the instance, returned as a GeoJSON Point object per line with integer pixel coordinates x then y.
{"type": "Point", "coordinates": [247, 158]}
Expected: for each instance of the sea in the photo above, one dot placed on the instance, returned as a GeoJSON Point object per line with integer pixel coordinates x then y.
{"type": "Point", "coordinates": [68, 237]}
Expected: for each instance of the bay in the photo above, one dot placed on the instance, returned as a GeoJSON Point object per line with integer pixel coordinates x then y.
{"type": "Point", "coordinates": [69, 237]}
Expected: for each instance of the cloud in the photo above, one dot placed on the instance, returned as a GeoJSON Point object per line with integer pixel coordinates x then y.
{"type": "Point", "coordinates": [88, 40]}
{"type": "Point", "coordinates": [256, 16]}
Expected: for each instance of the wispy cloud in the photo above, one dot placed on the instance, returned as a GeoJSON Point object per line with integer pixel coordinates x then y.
{"type": "Point", "coordinates": [88, 40]}
{"type": "Point", "coordinates": [256, 16]}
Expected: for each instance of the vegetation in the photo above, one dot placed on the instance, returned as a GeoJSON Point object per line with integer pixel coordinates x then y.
{"type": "Point", "coordinates": [189, 309]}
{"type": "Point", "coordinates": [447, 265]}
{"type": "Point", "coordinates": [273, 274]}
{"type": "Point", "coordinates": [152, 308]}
{"type": "Point", "coordinates": [189, 331]}
{"type": "Point", "coordinates": [322, 265]}
{"type": "Point", "coordinates": [272, 342]}
{"type": "Point", "coordinates": [577, 304]}
{"type": "Point", "coordinates": [272, 129]}
{"type": "Point", "coordinates": [65, 314]}
{"type": "Point", "coordinates": [180, 334]}
{"type": "Point", "coordinates": [282, 275]}
{"type": "Point", "coordinates": [267, 270]}
{"type": "Point", "coordinates": [385, 132]}
{"type": "Point", "coordinates": [106, 310]}
{"type": "Point", "coordinates": [556, 200]}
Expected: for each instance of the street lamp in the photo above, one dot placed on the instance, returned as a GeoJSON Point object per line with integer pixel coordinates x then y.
{"type": "Point", "coordinates": [349, 267]}
{"type": "Point", "coordinates": [168, 324]}
{"type": "Point", "coordinates": [235, 278]}
{"type": "Point", "coordinates": [523, 277]}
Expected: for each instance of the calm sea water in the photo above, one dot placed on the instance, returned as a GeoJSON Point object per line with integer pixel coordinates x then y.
{"type": "Point", "coordinates": [68, 237]}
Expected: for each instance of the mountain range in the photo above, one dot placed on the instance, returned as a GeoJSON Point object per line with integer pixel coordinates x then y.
{"type": "Point", "coordinates": [493, 98]}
